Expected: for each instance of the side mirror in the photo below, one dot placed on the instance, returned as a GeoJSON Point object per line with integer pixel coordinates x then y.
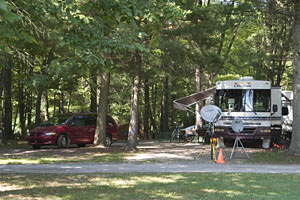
{"type": "Point", "coordinates": [275, 108]}
{"type": "Point", "coordinates": [285, 111]}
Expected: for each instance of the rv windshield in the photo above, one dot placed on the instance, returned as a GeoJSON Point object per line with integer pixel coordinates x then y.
{"type": "Point", "coordinates": [246, 100]}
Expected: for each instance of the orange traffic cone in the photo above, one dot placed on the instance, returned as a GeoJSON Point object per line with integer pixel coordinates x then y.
{"type": "Point", "coordinates": [220, 157]}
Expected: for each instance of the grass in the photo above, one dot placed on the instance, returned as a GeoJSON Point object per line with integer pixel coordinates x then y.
{"type": "Point", "coordinates": [274, 156]}
{"type": "Point", "coordinates": [182, 186]}
{"type": "Point", "coordinates": [14, 144]}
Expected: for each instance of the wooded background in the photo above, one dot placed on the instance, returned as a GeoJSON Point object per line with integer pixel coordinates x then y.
{"type": "Point", "coordinates": [57, 56]}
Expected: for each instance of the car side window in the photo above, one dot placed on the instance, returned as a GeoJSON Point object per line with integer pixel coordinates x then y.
{"type": "Point", "coordinates": [78, 120]}
{"type": "Point", "coordinates": [91, 120]}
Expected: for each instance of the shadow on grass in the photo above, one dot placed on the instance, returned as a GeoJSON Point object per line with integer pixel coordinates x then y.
{"type": "Point", "coordinates": [150, 186]}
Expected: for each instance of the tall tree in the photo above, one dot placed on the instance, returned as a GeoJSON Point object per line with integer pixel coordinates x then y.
{"type": "Point", "coordinates": [295, 143]}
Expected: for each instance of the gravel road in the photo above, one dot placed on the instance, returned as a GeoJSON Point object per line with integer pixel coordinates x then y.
{"type": "Point", "coordinates": [169, 167]}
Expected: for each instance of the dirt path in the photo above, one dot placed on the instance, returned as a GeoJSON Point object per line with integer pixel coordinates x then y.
{"type": "Point", "coordinates": [152, 156]}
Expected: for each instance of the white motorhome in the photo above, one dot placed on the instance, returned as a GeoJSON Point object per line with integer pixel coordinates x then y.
{"type": "Point", "coordinates": [287, 125]}
{"type": "Point", "coordinates": [256, 103]}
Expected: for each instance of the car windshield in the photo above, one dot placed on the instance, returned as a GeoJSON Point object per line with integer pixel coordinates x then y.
{"type": "Point", "coordinates": [58, 120]}
{"type": "Point", "coordinates": [246, 100]}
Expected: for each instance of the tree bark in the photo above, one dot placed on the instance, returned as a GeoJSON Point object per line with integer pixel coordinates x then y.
{"type": "Point", "coordinates": [7, 104]}
{"type": "Point", "coordinates": [93, 86]}
{"type": "Point", "coordinates": [199, 88]}
{"type": "Point", "coordinates": [147, 108]}
{"type": "Point", "coordinates": [38, 108]}
{"type": "Point", "coordinates": [46, 106]}
{"type": "Point", "coordinates": [61, 102]}
{"type": "Point", "coordinates": [2, 80]}
{"type": "Point", "coordinates": [102, 110]}
{"type": "Point", "coordinates": [21, 105]}
{"type": "Point", "coordinates": [164, 126]}
{"type": "Point", "coordinates": [295, 143]}
{"type": "Point", "coordinates": [134, 110]}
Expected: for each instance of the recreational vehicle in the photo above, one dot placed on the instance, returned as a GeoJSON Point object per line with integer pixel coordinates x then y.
{"type": "Point", "coordinates": [256, 103]}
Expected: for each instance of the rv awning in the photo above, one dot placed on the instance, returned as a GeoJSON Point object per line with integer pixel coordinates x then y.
{"type": "Point", "coordinates": [185, 102]}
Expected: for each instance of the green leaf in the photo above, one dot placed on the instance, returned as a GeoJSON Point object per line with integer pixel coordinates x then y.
{"type": "Point", "coordinates": [3, 5]}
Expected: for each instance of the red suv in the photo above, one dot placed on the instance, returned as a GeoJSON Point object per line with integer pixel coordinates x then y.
{"type": "Point", "coordinates": [72, 128]}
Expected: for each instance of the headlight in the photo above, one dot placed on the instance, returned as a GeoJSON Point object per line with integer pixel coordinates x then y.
{"type": "Point", "coordinates": [50, 133]}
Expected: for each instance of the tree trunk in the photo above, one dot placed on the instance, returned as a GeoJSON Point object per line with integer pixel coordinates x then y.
{"type": "Point", "coordinates": [38, 107]}
{"type": "Point", "coordinates": [199, 87]}
{"type": "Point", "coordinates": [69, 101]}
{"type": "Point", "coordinates": [46, 106]}
{"type": "Point", "coordinates": [2, 80]}
{"type": "Point", "coordinates": [100, 134]}
{"type": "Point", "coordinates": [93, 86]}
{"type": "Point", "coordinates": [134, 110]}
{"type": "Point", "coordinates": [61, 102]}
{"type": "Point", "coordinates": [295, 143]}
{"type": "Point", "coordinates": [153, 110]}
{"type": "Point", "coordinates": [147, 109]}
{"type": "Point", "coordinates": [21, 106]}
{"type": "Point", "coordinates": [164, 126]}
{"type": "Point", "coordinates": [7, 104]}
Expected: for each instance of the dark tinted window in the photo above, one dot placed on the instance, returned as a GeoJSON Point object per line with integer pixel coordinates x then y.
{"type": "Point", "coordinates": [84, 120]}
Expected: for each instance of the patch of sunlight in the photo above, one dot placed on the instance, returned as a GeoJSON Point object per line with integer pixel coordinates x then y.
{"type": "Point", "coordinates": [18, 161]}
{"type": "Point", "coordinates": [6, 187]}
{"type": "Point", "coordinates": [209, 190]}
{"type": "Point", "coordinates": [145, 156]}
{"type": "Point", "coordinates": [233, 192]}
{"type": "Point", "coordinates": [164, 195]}
{"type": "Point", "coordinates": [257, 186]}
{"type": "Point", "coordinates": [151, 179]}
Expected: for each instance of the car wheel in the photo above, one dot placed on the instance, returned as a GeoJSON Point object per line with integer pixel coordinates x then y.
{"type": "Point", "coordinates": [62, 141]}
{"type": "Point", "coordinates": [108, 141]}
{"type": "Point", "coordinates": [36, 146]}
{"type": "Point", "coordinates": [81, 145]}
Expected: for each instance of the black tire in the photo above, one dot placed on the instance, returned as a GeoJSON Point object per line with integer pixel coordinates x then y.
{"type": "Point", "coordinates": [62, 141]}
{"type": "Point", "coordinates": [173, 135]}
{"type": "Point", "coordinates": [108, 140]}
{"type": "Point", "coordinates": [36, 146]}
{"type": "Point", "coordinates": [81, 145]}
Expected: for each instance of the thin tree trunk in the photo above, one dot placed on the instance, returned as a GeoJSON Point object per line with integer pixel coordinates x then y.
{"type": "Point", "coordinates": [22, 110]}
{"type": "Point", "coordinates": [69, 101]}
{"type": "Point", "coordinates": [295, 143]}
{"type": "Point", "coordinates": [199, 87]}
{"type": "Point", "coordinates": [46, 106]}
{"type": "Point", "coordinates": [61, 102]}
{"type": "Point", "coordinates": [164, 127]}
{"type": "Point", "coordinates": [134, 110]}
{"type": "Point", "coordinates": [38, 107]}
{"type": "Point", "coordinates": [100, 134]}
{"type": "Point", "coordinates": [2, 81]}
{"type": "Point", "coordinates": [93, 86]}
{"type": "Point", "coordinates": [7, 104]}
{"type": "Point", "coordinates": [153, 110]}
{"type": "Point", "coordinates": [147, 108]}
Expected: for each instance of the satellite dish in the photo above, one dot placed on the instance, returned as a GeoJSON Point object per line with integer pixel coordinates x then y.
{"type": "Point", "coordinates": [211, 113]}
{"type": "Point", "coordinates": [237, 125]}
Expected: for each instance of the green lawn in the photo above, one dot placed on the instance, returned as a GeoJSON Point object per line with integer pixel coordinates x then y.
{"type": "Point", "coordinates": [181, 186]}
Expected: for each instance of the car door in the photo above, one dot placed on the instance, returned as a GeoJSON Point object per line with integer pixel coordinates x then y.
{"type": "Point", "coordinates": [90, 128]}
{"type": "Point", "coordinates": [76, 129]}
